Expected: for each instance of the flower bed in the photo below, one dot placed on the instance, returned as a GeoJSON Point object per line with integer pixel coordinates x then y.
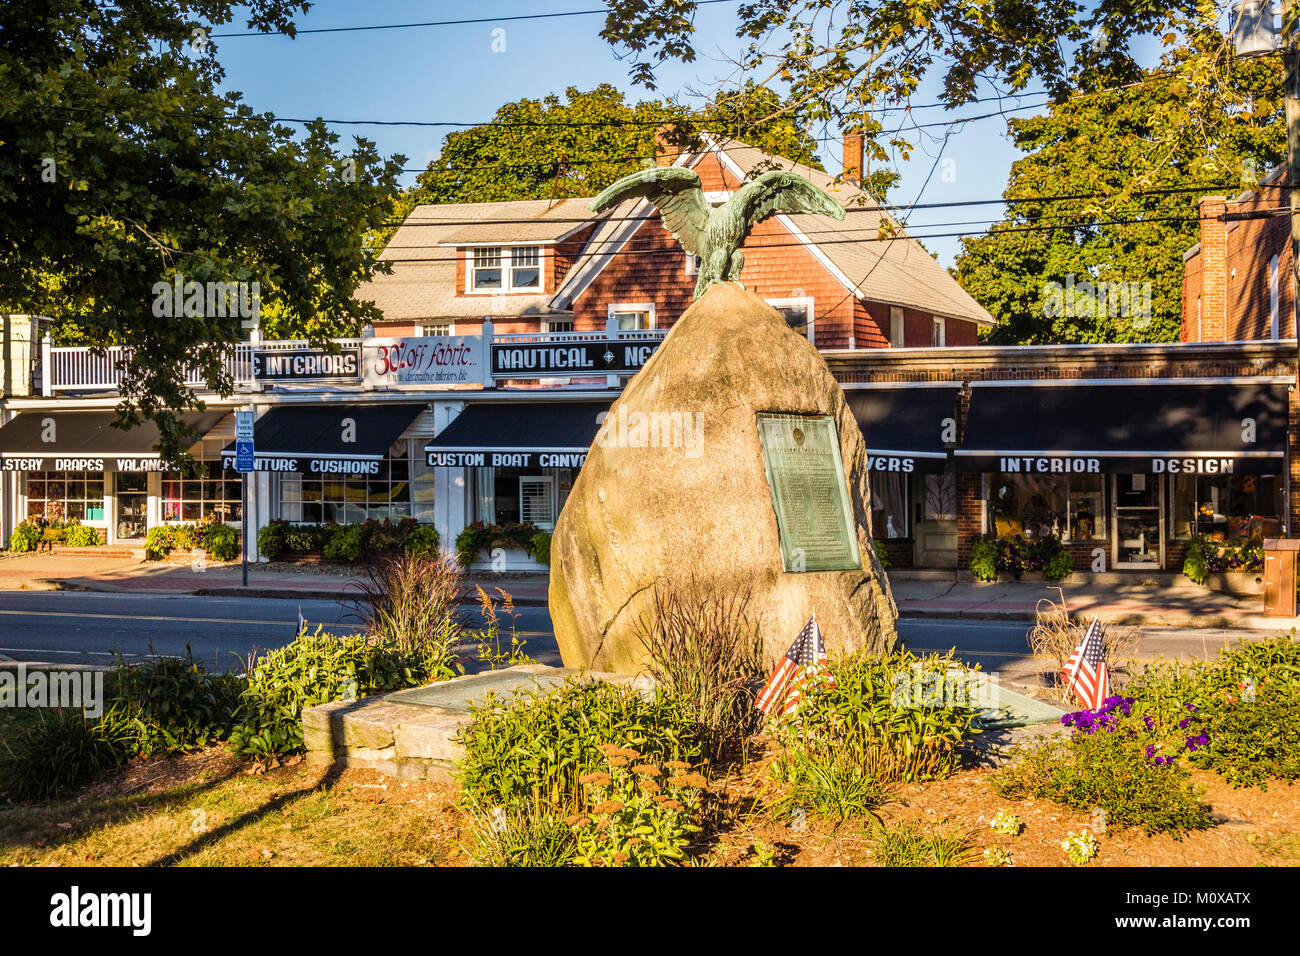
{"type": "Point", "coordinates": [1205, 558]}
{"type": "Point", "coordinates": [480, 538]}
{"type": "Point", "coordinates": [1016, 555]}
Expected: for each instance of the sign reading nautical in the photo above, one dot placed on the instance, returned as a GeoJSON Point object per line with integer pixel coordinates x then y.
{"type": "Point", "coordinates": [806, 475]}
{"type": "Point", "coordinates": [306, 363]}
{"type": "Point", "coordinates": [521, 359]}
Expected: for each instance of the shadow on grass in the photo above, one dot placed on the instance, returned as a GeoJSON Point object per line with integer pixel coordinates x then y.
{"type": "Point", "coordinates": [249, 818]}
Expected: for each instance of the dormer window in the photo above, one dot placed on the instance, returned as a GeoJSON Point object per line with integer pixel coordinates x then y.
{"type": "Point", "coordinates": [505, 269]}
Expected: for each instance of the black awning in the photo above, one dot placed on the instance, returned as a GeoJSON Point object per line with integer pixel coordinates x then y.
{"type": "Point", "coordinates": [518, 435]}
{"type": "Point", "coordinates": [330, 439]}
{"type": "Point", "coordinates": [87, 441]}
{"type": "Point", "coordinates": [904, 425]}
{"type": "Point", "coordinates": [1127, 427]}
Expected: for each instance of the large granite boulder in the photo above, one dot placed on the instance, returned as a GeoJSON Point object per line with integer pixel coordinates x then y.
{"type": "Point", "coordinates": [700, 503]}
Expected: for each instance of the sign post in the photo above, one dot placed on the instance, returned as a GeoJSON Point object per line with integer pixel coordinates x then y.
{"type": "Point", "coordinates": [244, 465]}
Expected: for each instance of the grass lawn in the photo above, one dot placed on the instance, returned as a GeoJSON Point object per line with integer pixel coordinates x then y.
{"type": "Point", "coordinates": [210, 808]}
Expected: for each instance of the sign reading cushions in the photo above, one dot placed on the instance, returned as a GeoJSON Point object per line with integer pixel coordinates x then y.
{"type": "Point", "coordinates": [527, 359]}
{"type": "Point", "coordinates": [327, 439]}
{"type": "Point", "coordinates": [1162, 427]}
{"type": "Point", "coordinates": [518, 435]}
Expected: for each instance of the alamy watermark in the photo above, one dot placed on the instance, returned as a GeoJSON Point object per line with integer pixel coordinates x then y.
{"type": "Point", "coordinates": [921, 686]}
{"type": "Point", "coordinates": [1098, 300]}
{"type": "Point", "coordinates": [192, 299]}
{"type": "Point", "coordinates": [684, 430]}
{"type": "Point", "coordinates": [82, 689]}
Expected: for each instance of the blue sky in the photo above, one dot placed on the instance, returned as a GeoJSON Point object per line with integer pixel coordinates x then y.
{"type": "Point", "coordinates": [451, 73]}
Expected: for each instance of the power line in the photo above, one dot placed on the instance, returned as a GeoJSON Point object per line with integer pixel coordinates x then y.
{"type": "Point", "coordinates": [437, 23]}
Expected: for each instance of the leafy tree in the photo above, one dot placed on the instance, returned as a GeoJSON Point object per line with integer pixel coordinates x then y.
{"type": "Point", "coordinates": [843, 61]}
{"type": "Point", "coordinates": [576, 146]}
{"type": "Point", "coordinates": [1133, 148]}
{"type": "Point", "coordinates": [123, 166]}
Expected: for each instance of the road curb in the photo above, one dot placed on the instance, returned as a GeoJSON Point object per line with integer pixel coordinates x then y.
{"type": "Point", "coordinates": [1156, 619]}
{"type": "Point", "coordinates": [309, 595]}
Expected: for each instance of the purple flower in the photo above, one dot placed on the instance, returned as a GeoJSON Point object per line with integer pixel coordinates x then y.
{"type": "Point", "coordinates": [1185, 723]}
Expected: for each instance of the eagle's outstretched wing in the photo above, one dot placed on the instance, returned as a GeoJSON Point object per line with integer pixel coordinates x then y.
{"type": "Point", "coordinates": [776, 192]}
{"type": "Point", "coordinates": [677, 194]}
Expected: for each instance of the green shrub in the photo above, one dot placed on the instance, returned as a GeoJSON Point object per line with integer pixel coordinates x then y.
{"type": "Point", "coordinates": [1059, 564]}
{"type": "Point", "coordinates": [704, 649]}
{"type": "Point", "coordinates": [1238, 715]}
{"type": "Point", "coordinates": [315, 669]}
{"type": "Point", "coordinates": [827, 783]}
{"type": "Point", "coordinates": [26, 536]}
{"type": "Point", "coordinates": [82, 536]}
{"type": "Point", "coordinates": [271, 539]}
{"type": "Point", "coordinates": [895, 718]}
{"type": "Point", "coordinates": [522, 838]}
{"type": "Point", "coordinates": [56, 751]}
{"type": "Point", "coordinates": [221, 543]}
{"type": "Point", "coordinates": [345, 543]}
{"type": "Point", "coordinates": [532, 750]}
{"type": "Point", "coordinates": [881, 554]}
{"type": "Point", "coordinates": [1110, 761]}
{"type": "Point", "coordinates": [412, 602]}
{"type": "Point", "coordinates": [479, 537]}
{"type": "Point", "coordinates": [539, 546]}
{"type": "Point", "coordinates": [1196, 563]}
{"type": "Point", "coordinates": [185, 537]}
{"type": "Point", "coordinates": [173, 704]}
{"type": "Point", "coordinates": [160, 541]}
{"type": "Point", "coordinates": [984, 559]}
{"type": "Point", "coordinates": [911, 844]}
{"type": "Point", "coordinates": [424, 541]}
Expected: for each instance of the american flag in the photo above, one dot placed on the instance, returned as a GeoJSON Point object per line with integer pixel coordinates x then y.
{"type": "Point", "coordinates": [1085, 672]}
{"type": "Point", "coordinates": [784, 688]}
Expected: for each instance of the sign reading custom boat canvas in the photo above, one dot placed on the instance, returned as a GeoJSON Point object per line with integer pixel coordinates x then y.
{"type": "Point", "coordinates": [294, 365]}
{"type": "Point", "coordinates": [806, 475]}
{"type": "Point", "coordinates": [424, 360]}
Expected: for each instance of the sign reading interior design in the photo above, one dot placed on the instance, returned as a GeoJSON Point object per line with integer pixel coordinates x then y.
{"type": "Point", "coordinates": [806, 477]}
{"type": "Point", "coordinates": [527, 359]}
{"type": "Point", "coordinates": [292, 365]}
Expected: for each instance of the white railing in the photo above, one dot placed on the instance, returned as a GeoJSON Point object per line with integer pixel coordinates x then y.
{"type": "Point", "coordinates": [83, 369]}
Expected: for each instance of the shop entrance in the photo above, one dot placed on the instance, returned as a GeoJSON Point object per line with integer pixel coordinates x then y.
{"type": "Point", "coordinates": [131, 504]}
{"type": "Point", "coordinates": [936, 522]}
{"type": "Point", "coordinates": [1137, 521]}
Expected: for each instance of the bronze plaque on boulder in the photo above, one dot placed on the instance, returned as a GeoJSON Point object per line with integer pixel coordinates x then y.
{"type": "Point", "coordinates": [806, 476]}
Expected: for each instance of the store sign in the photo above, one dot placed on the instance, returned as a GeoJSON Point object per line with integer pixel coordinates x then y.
{"type": "Point", "coordinates": [296, 365]}
{"type": "Point", "coordinates": [308, 466]}
{"type": "Point", "coordinates": [506, 459]}
{"type": "Point", "coordinates": [530, 359]}
{"type": "Point", "coordinates": [1205, 464]}
{"type": "Point", "coordinates": [424, 360]}
{"type": "Point", "coordinates": [82, 464]}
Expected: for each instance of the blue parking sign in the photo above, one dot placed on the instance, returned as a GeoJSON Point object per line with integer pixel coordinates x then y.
{"type": "Point", "coordinates": [243, 457]}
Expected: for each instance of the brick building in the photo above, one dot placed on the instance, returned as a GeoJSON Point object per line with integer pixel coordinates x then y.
{"type": "Point", "coordinates": [1237, 281]}
{"type": "Point", "coordinates": [538, 266]}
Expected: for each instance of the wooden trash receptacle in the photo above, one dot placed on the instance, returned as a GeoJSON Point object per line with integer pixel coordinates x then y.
{"type": "Point", "coordinates": [1280, 576]}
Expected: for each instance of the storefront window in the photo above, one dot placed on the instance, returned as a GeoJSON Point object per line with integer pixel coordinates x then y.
{"type": "Point", "coordinates": [205, 489]}
{"type": "Point", "coordinates": [526, 495]}
{"type": "Point", "coordinates": [352, 499]}
{"type": "Point", "coordinates": [66, 494]}
{"type": "Point", "coordinates": [888, 504]}
{"type": "Point", "coordinates": [1222, 507]}
{"type": "Point", "coordinates": [1035, 506]}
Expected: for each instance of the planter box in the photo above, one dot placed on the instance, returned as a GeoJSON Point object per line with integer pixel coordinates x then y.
{"type": "Point", "coordinates": [1237, 582]}
{"type": "Point", "coordinates": [515, 560]}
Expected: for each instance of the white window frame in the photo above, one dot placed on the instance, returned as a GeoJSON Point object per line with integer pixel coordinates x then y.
{"type": "Point", "coordinates": [804, 301]}
{"type": "Point", "coordinates": [897, 327]}
{"type": "Point", "coordinates": [692, 265]}
{"type": "Point", "coordinates": [647, 307]}
{"type": "Point", "coordinates": [422, 330]}
{"type": "Point", "coordinates": [548, 323]}
{"type": "Point", "coordinates": [938, 331]}
{"type": "Point", "coordinates": [547, 480]}
{"type": "Point", "coordinates": [507, 257]}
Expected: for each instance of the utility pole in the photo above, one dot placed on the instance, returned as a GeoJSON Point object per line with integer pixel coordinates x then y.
{"type": "Point", "coordinates": [1291, 65]}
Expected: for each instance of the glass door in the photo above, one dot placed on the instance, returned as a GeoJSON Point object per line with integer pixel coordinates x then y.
{"type": "Point", "coordinates": [131, 501]}
{"type": "Point", "coordinates": [1137, 516]}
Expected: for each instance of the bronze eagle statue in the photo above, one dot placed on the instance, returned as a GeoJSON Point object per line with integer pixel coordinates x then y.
{"type": "Point", "coordinates": [715, 234]}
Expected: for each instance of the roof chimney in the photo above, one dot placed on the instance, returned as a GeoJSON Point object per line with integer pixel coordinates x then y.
{"type": "Point", "coordinates": [853, 158]}
{"type": "Point", "coordinates": [667, 144]}
{"type": "Point", "coordinates": [1214, 271]}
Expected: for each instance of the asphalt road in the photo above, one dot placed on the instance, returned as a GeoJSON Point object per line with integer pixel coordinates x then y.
{"type": "Point", "coordinates": [84, 627]}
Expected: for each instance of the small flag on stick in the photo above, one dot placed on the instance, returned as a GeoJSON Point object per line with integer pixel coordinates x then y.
{"type": "Point", "coordinates": [302, 621]}
{"type": "Point", "coordinates": [1085, 672]}
{"type": "Point", "coordinates": [784, 689]}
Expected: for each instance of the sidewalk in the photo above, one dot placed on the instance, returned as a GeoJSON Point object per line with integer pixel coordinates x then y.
{"type": "Point", "coordinates": [49, 572]}
{"type": "Point", "coordinates": [1179, 605]}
